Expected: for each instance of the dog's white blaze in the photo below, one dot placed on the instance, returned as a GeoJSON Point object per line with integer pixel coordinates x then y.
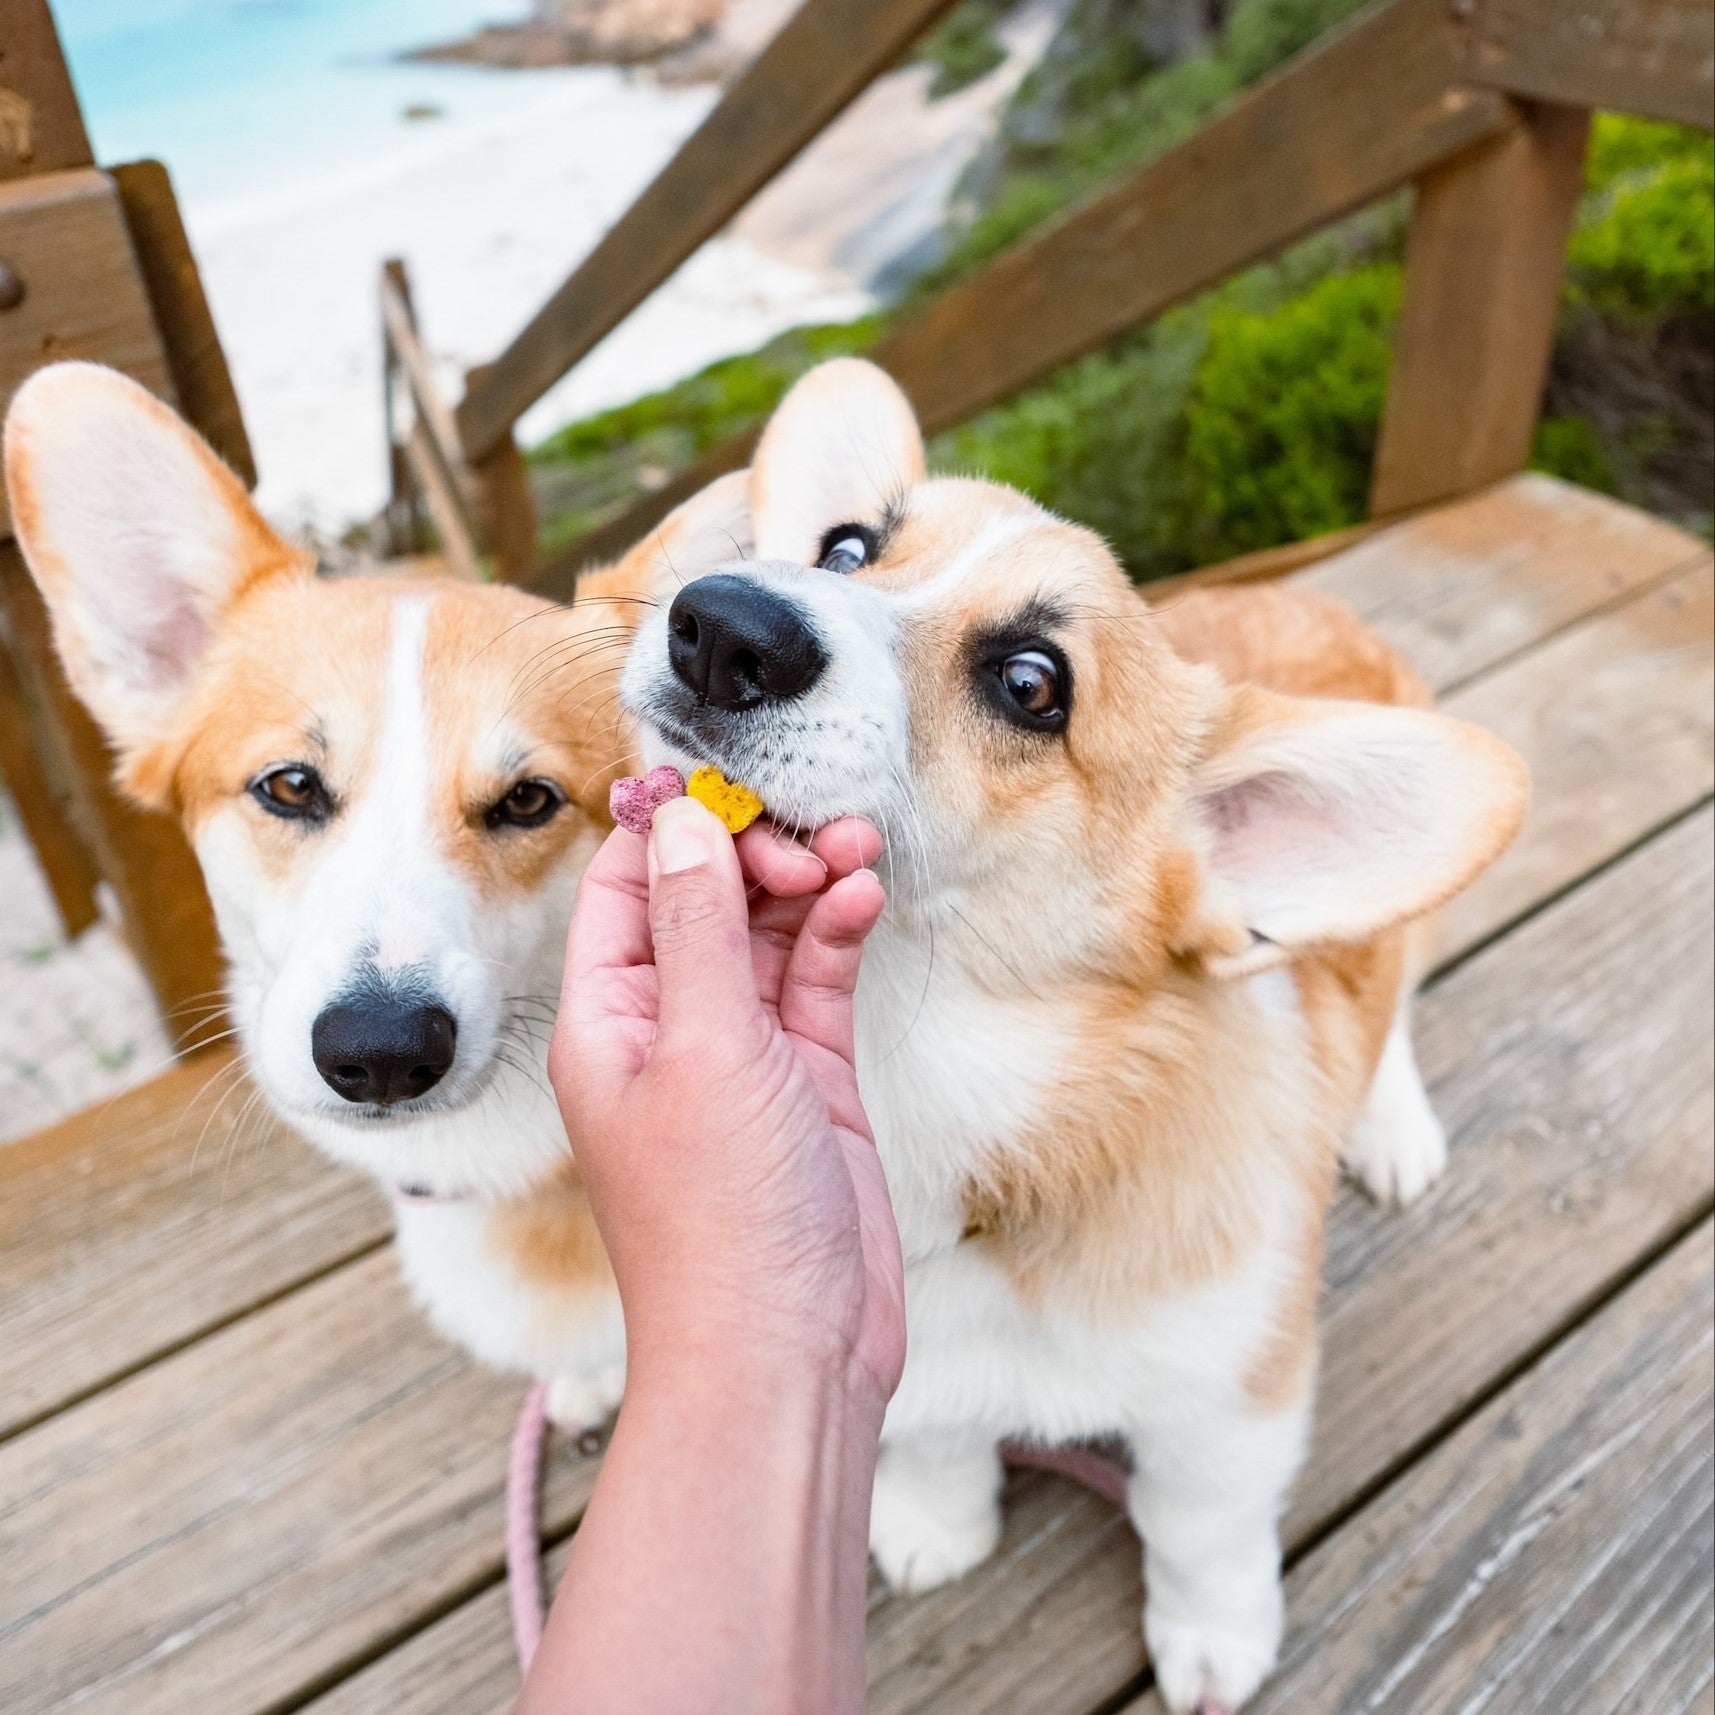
{"type": "Point", "coordinates": [995, 535]}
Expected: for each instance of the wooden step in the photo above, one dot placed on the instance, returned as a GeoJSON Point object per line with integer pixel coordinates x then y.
{"type": "Point", "coordinates": [1553, 1555]}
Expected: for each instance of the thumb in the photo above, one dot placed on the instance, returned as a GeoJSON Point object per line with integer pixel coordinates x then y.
{"type": "Point", "coordinates": [699, 923]}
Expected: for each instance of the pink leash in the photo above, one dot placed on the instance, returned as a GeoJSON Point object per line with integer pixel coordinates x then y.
{"type": "Point", "coordinates": [524, 1482]}
{"type": "Point", "coordinates": [523, 1540]}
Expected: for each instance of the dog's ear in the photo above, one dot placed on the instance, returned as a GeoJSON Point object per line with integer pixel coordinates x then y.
{"type": "Point", "coordinates": [1324, 822]}
{"type": "Point", "coordinates": [706, 531]}
{"type": "Point", "coordinates": [839, 448]}
{"type": "Point", "coordinates": [135, 532]}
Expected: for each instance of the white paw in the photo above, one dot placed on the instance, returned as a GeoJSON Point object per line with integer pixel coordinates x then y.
{"type": "Point", "coordinates": [1398, 1155]}
{"type": "Point", "coordinates": [920, 1541]}
{"type": "Point", "coordinates": [586, 1401]}
{"type": "Point", "coordinates": [1208, 1669]}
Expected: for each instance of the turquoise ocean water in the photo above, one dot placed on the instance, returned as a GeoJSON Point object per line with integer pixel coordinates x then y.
{"type": "Point", "coordinates": [247, 96]}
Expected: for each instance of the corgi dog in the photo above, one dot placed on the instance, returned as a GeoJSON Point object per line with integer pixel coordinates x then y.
{"type": "Point", "coordinates": [1160, 884]}
{"type": "Point", "coordinates": [392, 785]}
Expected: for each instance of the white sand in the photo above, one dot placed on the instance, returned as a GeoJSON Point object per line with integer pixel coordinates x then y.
{"type": "Point", "coordinates": [489, 215]}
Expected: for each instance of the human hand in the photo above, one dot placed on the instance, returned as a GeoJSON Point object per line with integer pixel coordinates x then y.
{"type": "Point", "coordinates": [703, 1063]}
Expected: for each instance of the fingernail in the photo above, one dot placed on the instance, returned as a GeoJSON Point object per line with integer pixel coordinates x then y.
{"type": "Point", "coordinates": [683, 836]}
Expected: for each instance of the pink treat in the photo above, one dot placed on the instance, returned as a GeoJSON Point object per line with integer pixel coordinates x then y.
{"type": "Point", "coordinates": [632, 802]}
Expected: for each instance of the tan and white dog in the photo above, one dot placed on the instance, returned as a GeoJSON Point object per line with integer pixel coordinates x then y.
{"type": "Point", "coordinates": [1157, 893]}
{"type": "Point", "coordinates": [1158, 882]}
{"type": "Point", "coordinates": [392, 786]}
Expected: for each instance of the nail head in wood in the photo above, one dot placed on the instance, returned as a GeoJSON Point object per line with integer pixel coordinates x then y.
{"type": "Point", "coordinates": [12, 287]}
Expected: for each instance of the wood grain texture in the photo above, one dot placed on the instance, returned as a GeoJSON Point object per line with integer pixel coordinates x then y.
{"type": "Point", "coordinates": [142, 855]}
{"type": "Point", "coordinates": [1537, 1051]}
{"type": "Point", "coordinates": [1555, 1554]}
{"type": "Point", "coordinates": [25, 773]}
{"type": "Point", "coordinates": [65, 233]}
{"type": "Point", "coordinates": [232, 1526]}
{"type": "Point", "coordinates": [1483, 267]}
{"type": "Point", "coordinates": [825, 55]}
{"type": "Point", "coordinates": [41, 127]}
{"type": "Point", "coordinates": [200, 375]}
{"type": "Point", "coordinates": [1651, 57]}
{"type": "Point", "coordinates": [141, 1223]}
{"type": "Point", "coordinates": [1470, 584]}
{"type": "Point", "coordinates": [1342, 124]}
{"type": "Point", "coordinates": [1616, 716]}
{"type": "Point", "coordinates": [1571, 1063]}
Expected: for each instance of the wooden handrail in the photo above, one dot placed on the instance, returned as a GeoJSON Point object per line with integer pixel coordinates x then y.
{"type": "Point", "coordinates": [431, 447]}
{"type": "Point", "coordinates": [825, 55]}
{"type": "Point", "coordinates": [1654, 58]}
{"type": "Point", "coordinates": [1341, 125]}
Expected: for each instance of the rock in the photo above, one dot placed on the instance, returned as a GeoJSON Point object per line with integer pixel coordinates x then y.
{"type": "Point", "coordinates": [588, 32]}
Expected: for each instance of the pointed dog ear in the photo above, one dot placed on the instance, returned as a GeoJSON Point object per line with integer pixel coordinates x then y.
{"type": "Point", "coordinates": [839, 448]}
{"type": "Point", "coordinates": [1326, 822]}
{"type": "Point", "coordinates": [137, 535]}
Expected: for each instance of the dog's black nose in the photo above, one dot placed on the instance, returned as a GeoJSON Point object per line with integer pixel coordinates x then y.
{"type": "Point", "coordinates": [382, 1047]}
{"type": "Point", "coordinates": [737, 643]}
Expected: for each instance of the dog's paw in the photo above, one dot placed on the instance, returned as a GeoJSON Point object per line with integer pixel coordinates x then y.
{"type": "Point", "coordinates": [920, 1541]}
{"type": "Point", "coordinates": [577, 1403]}
{"type": "Point", "coordinates": [1204, 1669]}
{"type": "Point", "coordinates": [1396, 1156]}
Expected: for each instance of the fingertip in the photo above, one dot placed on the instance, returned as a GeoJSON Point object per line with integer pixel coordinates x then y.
{"type": "Point", "coordinates": [855, 903]}
{"type": "Point", "coordinates": [779, 864]}
{"type": "Point", "coordinates": [847, 845]}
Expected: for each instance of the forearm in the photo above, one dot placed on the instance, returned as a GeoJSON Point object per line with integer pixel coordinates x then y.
{"type": "Point", "coordinates": [722, 1563]}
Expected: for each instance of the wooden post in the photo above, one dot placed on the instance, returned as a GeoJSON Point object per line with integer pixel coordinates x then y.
{"type": "Point", "coordinates": [41, 127]}
{"type": "Point", "coordinates": [65, 862]}
{"type": "Point", "coordinates": [1483, 268]}
{"type": "Point", "coordinates": [143, 856]}
{"type": "Point", "coordinates": [506, 506]}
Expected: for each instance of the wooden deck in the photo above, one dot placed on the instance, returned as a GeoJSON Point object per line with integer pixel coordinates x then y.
{"type": "Point", "coordinates": [238, 1475]}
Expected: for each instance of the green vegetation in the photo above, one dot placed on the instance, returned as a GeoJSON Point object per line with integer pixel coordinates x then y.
{"type": "Point", "coordinates": [1248, 417]}
{"type": "Point", "coordinates": [964, 46]}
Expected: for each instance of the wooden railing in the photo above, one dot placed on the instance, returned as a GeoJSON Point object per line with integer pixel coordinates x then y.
{"type": "Point", "coordinates": [1482, 105]}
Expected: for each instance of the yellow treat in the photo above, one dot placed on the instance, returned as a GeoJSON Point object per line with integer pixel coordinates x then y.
{"type": "Point", "coordinates": [736, 805]}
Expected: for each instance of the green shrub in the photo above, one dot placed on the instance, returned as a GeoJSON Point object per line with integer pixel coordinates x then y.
{"type": "Point", "coordinates": [964, 47]}
{"type": "Point", "coordinates": [1281, 423]}
{"type": "Point", "coordinates": [1644, 245]}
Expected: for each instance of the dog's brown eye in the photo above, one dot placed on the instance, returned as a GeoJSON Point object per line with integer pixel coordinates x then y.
{"type": "Point", "coordinates": [528, 805]}
{"type": "Point", "coordinates": [1032, 680]}
{"type": "Point", "coordinates": [294, 791]}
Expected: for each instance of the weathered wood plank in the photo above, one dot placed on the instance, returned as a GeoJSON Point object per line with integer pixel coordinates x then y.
{"type": "Point", "coordinates": [1344, 123]}
{"type": "Point", "coordinates": [65, 862]}
{"type": "Point", "coordinates": [228, 1528]}
{"type": "Point", "coordinates": [1572, 1065]}
{"type": "Point", "coordinates": [1466, 586]}
{"type": "Point", "coordinates": [142, 855]}
{"type": "Point", "coordinates": [1483, 267]}
{"type": "Point", "coordinates": [64, 234]}
{"type": "Point", "coordinates": [1616, 716]}
{"type": "Point", "coordinates": [182, 316]}
{"type": "Point", "coordinates": [1556, 1553]}
{"type": "Point", "coordinates": [1651, 57]}
{"type": "Point", "coordinates": [825, 55]}
{"type": "Point", "coordinates": [137, 1225]}
{"type": "Point", "coordinates": [41, 127]}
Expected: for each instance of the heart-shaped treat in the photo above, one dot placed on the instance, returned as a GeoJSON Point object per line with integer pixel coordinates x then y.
{"type": "Point", "coordinates": [632, 802]}
{"type": "Point", "coordinates": [736, 805]}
